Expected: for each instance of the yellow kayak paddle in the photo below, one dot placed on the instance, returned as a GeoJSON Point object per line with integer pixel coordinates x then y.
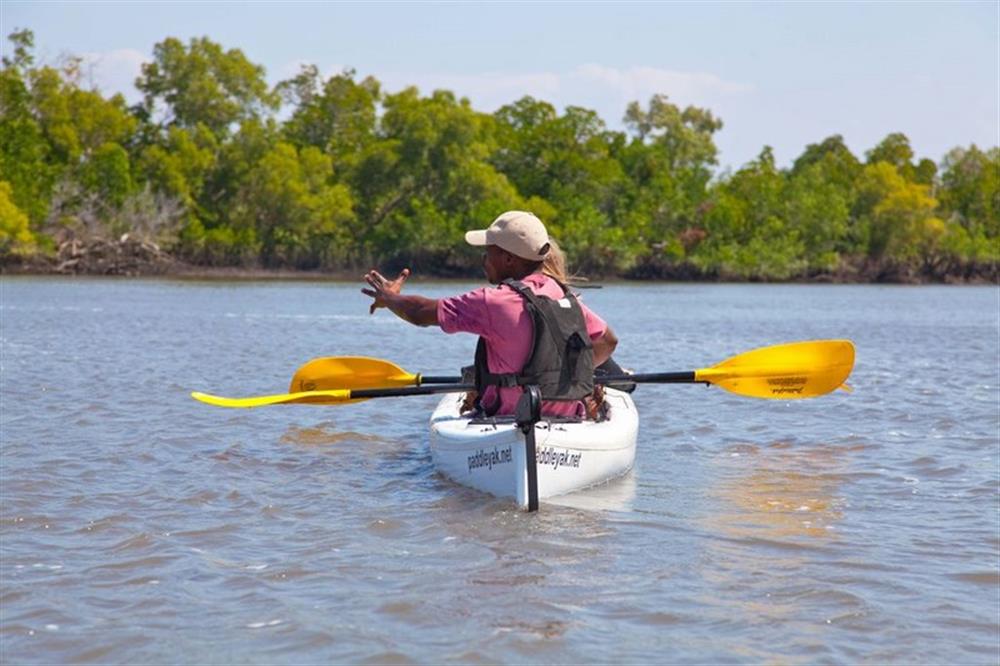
{"type": "Point", "coordinates": [789, 371]}
{"type": "Point", "coordinates": [351, 372]}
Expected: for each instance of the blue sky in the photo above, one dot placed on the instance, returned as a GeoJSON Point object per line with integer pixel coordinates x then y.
{"type": "Point", "coordinates": [782, 74]}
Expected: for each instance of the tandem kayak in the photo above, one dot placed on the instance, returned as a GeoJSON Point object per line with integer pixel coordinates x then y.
{"type": "Point", "coordinates": [490, 454]}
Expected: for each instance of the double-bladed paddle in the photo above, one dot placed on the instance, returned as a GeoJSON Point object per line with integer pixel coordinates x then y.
{"type": "Point", "coordinates": [789, 371]}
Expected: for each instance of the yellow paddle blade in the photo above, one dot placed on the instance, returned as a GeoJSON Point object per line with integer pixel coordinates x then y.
{"type": "Point", "coordinates": [350, 372]}
{"type": "Point", "coordinates": [785, 372]}
{"type": "Point", "coordinates": [333, 397]}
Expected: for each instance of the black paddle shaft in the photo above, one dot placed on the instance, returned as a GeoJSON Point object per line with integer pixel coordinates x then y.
{"type": "Point", "coordinates": [410, 390]}
{"type": "Point", "coordinates": [647, 378]}
{"type": "Point", "coordinates": [439, 380]}
{"type": "Point", "coordinates": [650, 378]}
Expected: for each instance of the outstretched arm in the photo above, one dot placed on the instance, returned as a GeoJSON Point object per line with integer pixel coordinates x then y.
{"type": "Point", "coordinates": [417, 310]}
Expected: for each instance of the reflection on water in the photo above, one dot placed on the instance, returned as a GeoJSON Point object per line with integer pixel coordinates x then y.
{"type": "Point", "coordinates": [615, 495]}
{"type": "Point", "coordinates": [779, 491]}
{"type": "Point", "coordinates": [776, 512]}
{"type": "Point", "coordinates": [325, 434]}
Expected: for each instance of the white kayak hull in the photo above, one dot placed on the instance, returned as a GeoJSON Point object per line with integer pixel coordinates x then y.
{"type": "Point", "coordinates": [491, 457]}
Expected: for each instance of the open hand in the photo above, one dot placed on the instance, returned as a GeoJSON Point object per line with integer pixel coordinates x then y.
{"type": "Point", "coordinates": [381, 286]}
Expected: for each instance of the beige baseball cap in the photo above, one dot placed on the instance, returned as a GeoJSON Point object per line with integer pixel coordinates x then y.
{"type": "Point", "coordinates": [520, 233]}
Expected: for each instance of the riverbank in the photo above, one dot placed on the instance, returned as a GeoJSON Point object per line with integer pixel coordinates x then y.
{"type": "Point", "coordinates": [131, 257]}
{"type": "Point", "coordinates": [185, 271]}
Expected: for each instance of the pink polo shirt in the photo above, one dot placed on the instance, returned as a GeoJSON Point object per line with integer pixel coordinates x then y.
{"type": "Point", "coordinates": [498, 315]}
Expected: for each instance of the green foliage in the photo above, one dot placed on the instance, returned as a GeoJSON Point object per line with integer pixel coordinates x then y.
{"type": "Point", "coordinates": [25, 161]}
{"type": "Point", "coordinates": [202, 84]}
{"type": "Point", "coordinates": [107, 174]}
{"type": "Point", "coordinates": [683, 138]}
{"type": "Point", "coordinates": [76, 122]}
{"type": "Point", "coordinates": [180, 164]}
{"type": "Point", "coordinates": [894, 149]}
{"type": "Point", "coordinates": [23, 42]}
{"type": "Point", "coordinates": [15, 236]}
{"type": "Point", "coordinates": [301, 218]}
{"type": "Point", "coordinates": [898, 216]}
{"type": "Point", "coordinates": [425, 175]}
{"type": "Point", "coordinates": [59, 142]}
{"type": "Point", "coordinates": [568, 164]}
{"type": "Point", "coordinates": [350, 175]}
{"type": "Point", "coordinates": [669, 166]}
{"type": "Point", "coordinates": [839, 166]}
{"type": "Point", "coordinates": [747, 232]}
{"type": "Point", "coordinates": [337, 116]}
{"type": "Point", "coordinates": [970, 190]}
{"type": "Point", "coordinates": [819, 210]}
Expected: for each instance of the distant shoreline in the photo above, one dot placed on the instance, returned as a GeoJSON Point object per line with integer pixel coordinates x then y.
{"type": "Point", "coordinates": [177, 270]}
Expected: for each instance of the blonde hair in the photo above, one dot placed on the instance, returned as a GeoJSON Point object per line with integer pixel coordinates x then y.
{"type": "Point", "coordinates": [555, 265]}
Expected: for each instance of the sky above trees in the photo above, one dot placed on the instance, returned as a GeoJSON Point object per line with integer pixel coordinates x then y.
{"type": "Point", "coordinates": [780, 74]}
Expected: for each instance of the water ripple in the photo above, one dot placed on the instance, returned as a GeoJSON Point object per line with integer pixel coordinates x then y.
{"type": "Point", "coordinates": [139, 526]}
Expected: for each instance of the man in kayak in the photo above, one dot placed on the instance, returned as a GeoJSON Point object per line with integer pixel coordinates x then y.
{"type": "Point", "coordinates": [510, 352]}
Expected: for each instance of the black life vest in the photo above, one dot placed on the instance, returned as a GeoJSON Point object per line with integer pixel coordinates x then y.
{"type": "Point", "coordinates": [561, 363]}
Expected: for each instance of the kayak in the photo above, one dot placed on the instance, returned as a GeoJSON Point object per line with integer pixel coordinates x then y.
{"type": "Point", "coordinates": [490, 454]}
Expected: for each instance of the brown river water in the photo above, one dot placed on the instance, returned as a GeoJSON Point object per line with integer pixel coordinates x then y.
{"type": "Point", "coordinates": [139, 526]}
